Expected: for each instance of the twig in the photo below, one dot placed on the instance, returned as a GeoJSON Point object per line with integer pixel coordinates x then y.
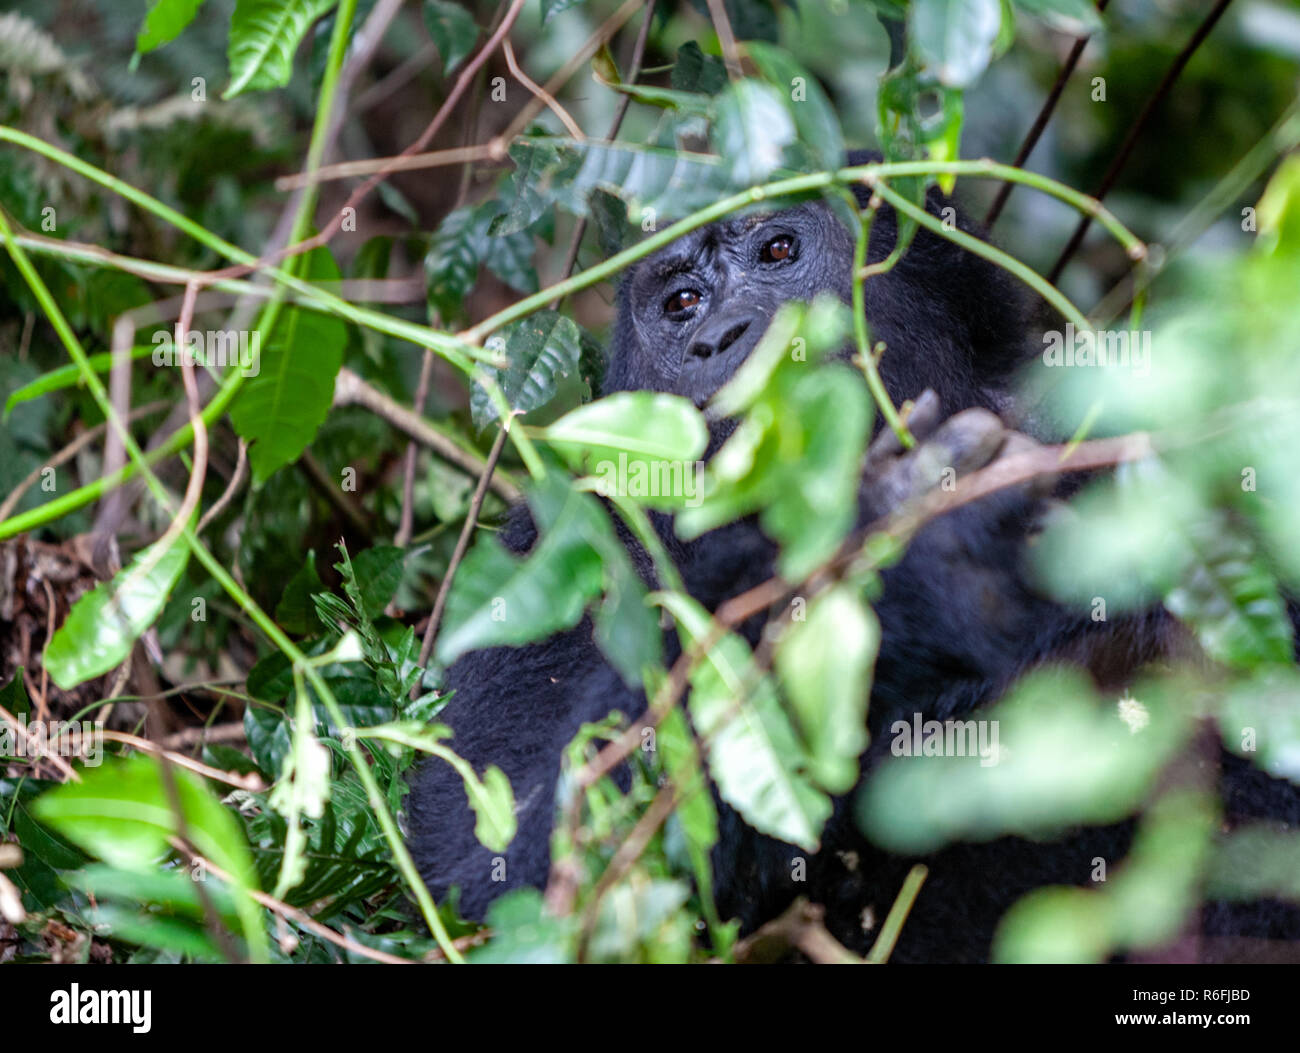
{"type": "Point", "coordinates": [727, 38]}
{"type": "Point", "coordinates": [21, 730]}
{"type": "Point", "coordinates": [801, 926]}
{"type": "Point", "coordinates": [1040, 122]}
{"type": "Point", "coordinates": [194, 736]}
{"type": "Point", "coordinates": [350, 389]}
{"type": "Point", "coordinates": [251, 782]}
{"type": "Point", "coordinates": [1135, 132]}
{"type": "Point", "coordinates": [293, 914]}
{"type": "Point", "coordinates": [541, 93]}
{"type": "Point", "coordinates": [624, 101]}
{"type": "Point", "coordinates": [236, 480]}
{"type": "Point", "coordinates": [462, 543]}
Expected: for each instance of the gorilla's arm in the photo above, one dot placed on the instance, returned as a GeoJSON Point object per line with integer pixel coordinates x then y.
{"type": "Point", "coordinates": [518, 708]}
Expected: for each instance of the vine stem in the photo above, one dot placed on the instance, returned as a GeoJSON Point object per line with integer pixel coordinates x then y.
{"type": "Point", "coordinates": [866, 174]}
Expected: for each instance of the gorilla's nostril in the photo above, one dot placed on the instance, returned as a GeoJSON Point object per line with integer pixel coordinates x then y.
{"type": "Point", "coordinates": [731, 336]}
{"type": "Point", "coordinates": [704, 349]}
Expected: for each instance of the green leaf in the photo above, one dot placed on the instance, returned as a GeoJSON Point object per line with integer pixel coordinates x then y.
{"type": "Point", "coordinates": [754, 755]}
{"type": "Point", "coordinates": [752, 130]}
{"type": "Point", "coordinates": [264, 35]}
{"type": "Point", "coordinates": [815, 121]}
{"type": "Point", "coordinates": [551, 8]}
{"type": "Point", "coordinates": [165, 21]}
{"type": "Point", "coordinates": [279, 410]}
{"type": "Point", "coordinates": [542, 350]}
{"type": "Point", "coordinates": [796, 456]}
{"type": "Point", "coordinates": [634, 435]}
{"type": "Point", "coordinates": [955, 38]}
{"type": "Point", "coordinates": [668, 181]}
{"type": "Point", "coordinates": [698, 72]}
{"type": "Point", "coordinates": [460, 246]}
{"type": "Point", "coordinates": [13, 696]}
{"type": "Point", "coordinates": [104, 624]}
{"type": "Point", "coordinates": [1229, 597]}
{"type": "Point", "coordinates": [498, 598]}
{"type": "Point", "coordinates": [1078, 17]}
{"type": "Point", "coordinates": [378, 573]}
{"type": "Point", "coordinates": [1259, 718]}
{"type": "Point", "coordinates": [525, 933]}
{"type": "Point", "coordinates": [68, 376]}
{"type": "Point", "coordinates": [825, 664]}
{"type": "Point", "coordinates": [453, 31]}
{"type": "Point", "coordinates": [1048, 757]}
{"type": "Point", "coordinates": [122, 813]}
{"type": "Point", "coordinates": [695, 811]}
{"type": "Point", "coordinates": [295, 611]}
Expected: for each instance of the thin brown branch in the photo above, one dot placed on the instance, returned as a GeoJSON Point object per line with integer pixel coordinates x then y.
{"type": "Point", "coordinates": [538, 92]}
{"type": "Point", "coordinates": [236, 481]}
{"type": "Point", "coordinates": [350, 389]}
{"type": "Point", "coordinates": [1135, 133]}
{"type": "Point", "coordinates": [1040, 122]}
{"type": "Point", "coordinates": [462, 544]}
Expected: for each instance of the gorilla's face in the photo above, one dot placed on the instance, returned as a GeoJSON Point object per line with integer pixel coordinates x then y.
{"type": "Point", "coordinates": [694, 311]}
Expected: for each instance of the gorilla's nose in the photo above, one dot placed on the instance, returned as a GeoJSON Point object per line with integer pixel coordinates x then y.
{"type": "Point", "coordinates": [716, 335]}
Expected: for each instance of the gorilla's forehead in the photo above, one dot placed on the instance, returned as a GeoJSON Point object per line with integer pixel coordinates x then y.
{"type": "Point", "coordinates": [690, 249]}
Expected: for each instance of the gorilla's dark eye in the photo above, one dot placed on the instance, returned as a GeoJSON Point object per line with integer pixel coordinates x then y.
{"type": "Point", "coordinates": [777, 249]}
{"type": "Point", "coordinates": [682, 300]}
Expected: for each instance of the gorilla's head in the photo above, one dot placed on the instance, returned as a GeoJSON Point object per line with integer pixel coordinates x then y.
{"type": "Point", "coordinates": [697, 309]}
{"type": "Point", "coordinates": [691, 313]}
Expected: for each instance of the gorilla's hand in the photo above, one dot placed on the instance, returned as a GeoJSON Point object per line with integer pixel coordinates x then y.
{"type": "Point", "coordinates": [959, 619]}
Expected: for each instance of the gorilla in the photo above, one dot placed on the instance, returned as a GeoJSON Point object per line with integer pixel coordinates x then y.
{"type": "Point", "coordinates": [960, 620]}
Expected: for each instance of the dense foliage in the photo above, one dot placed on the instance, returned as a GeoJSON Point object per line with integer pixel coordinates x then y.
{"type": "Point", "coordinates": [249, 543]}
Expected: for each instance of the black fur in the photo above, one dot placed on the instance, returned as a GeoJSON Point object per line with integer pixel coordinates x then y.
{"type": "Point", "coordinates": [959, 622]}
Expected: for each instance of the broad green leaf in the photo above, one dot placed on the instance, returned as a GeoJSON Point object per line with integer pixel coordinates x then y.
{"type": "Point", "coordinates": [460, 246]}
{"type": "Point", "coordinates": [542, 350]}
{"type": "Point", "coordinates": [697, 72]}
{"type": "Point", "coordinates": [551, 8]}
{"type": "Point", "coordinates": [796, 456]}
{"type": "Point", "coordinates": [1145, 904]}
{"type": "Point", "coordinates": [295, 611]}
{"type": "Point", "coordinates": [498, 598]}
{"type": "Point", "coordinates": [1256, 861]}
{"type": "Point", "coordinates": [165, 21]}
{"type": "Point", "coordinates": [526, 933]}
{"type": "Point", "coordinates": [68, 376]}
{"type": "Point", "coordinates": [13, 696]}
{"type": "Point", "coordinates": [453, 30]}
{"type": "Point", "coordinates": [279, 411]}
{"type": "Point", "coordinates": [631, 431]}
{"type": "Point", "coordinates": [814, 118]}
{"type": "Point", "coordinates": [1259, 719]}
{"type": "Point", "coordinates": [264, 35]}
{"type": "Point", "coordinates": [1077, 16]}
{"type": "Point", "coordinates": [955, 38]}
{"type": "Point", "coordinates": [753, 753]}
{"type": "Point", "coordinates": [1048, 757]}
{"type": "Point", "coordinates": [378, 573]}
{"type": "Point", "coordinates": [1229, 597]}
{"type": "Point", "coordinates": [665, 181]}
{"type": "Point", "coordinates": [122, 813]}
{"type": "Point", "coordinates": [752, 130]}
{"type": "Point", "coordinates": [825, 664]}
{"type": "Point", "coordinates": [104, 624]}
